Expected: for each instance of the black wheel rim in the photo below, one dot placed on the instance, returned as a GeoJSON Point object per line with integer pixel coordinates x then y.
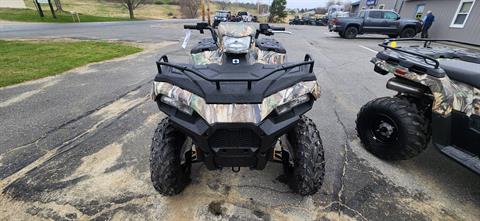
{"type": "Point", "coordinates": [383, 129]}
{"type": "Point", "coordinates": [351, 33]}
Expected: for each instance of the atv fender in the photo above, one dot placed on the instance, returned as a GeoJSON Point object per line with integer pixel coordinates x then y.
{"type": "Point", "coordinates": [448, 94]}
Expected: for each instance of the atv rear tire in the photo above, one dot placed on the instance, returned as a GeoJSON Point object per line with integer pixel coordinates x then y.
{"type": "Point", "coordinates": [392, 129]}
{"type": "Point", "coordinates": [351, 32]}
{"type": "Point", "coordinates": [305, 176]}
{"type": "Point", "coordinates": [169, 176]}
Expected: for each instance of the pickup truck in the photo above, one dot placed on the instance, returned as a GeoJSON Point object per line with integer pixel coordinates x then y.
{"type": "Point", "coordinates": [246, 17]}
{"type": "Point", "coordinates": [375, 22]}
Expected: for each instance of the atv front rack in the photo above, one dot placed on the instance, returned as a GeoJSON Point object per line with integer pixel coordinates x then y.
{"type": "Point", "coordinates": [163, 61]}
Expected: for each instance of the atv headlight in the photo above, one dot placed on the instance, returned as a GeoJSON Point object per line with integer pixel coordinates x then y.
{"type": "Point", "coordinates": [280, 102]}
{"type": "Point", "coordinates": [177, 104]}
{"type": "Point", "coordinates": [291, 104]}
{"type": "Point", "coordinates": [236, 45]}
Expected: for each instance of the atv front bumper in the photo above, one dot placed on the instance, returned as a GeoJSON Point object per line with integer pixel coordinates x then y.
{"type": "Point", "coordinates": [235, 144]}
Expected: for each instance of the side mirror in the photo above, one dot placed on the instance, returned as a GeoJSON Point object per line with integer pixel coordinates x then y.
{"type": "Point", "coordinates": [398, 18]}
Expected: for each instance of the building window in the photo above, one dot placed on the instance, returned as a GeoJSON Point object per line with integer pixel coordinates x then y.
{"type": "Point", "coordinates": [462, 13]}
{"type": "Point", "coordinates": [371, 2]}
{"type": "Point", "coordinates": [382, 6]}
{"type": "Point", "coordinates": [419, 12]}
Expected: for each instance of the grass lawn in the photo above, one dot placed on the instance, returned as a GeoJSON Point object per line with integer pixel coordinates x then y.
{"type": "Point", "coordinates": [27, 60]}
{"type": "Point", "coordinates": [29, 15]}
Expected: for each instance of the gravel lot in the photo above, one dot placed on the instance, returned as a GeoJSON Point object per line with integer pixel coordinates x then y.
{"type": "Point", "coordinates": [76, 146]}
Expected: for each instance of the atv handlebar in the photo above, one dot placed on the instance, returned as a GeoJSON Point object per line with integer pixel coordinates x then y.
{"type": "Point", "coordinates": [194, 27]}
{"type": "Point", "coordinates": [201, 27]}
{"type": "Point", "coordinates": [265, 29]}
{"type": "Point", "coordinates": [277, 28]}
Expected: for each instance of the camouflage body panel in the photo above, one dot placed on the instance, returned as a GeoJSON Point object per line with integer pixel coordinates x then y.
{"type": "Point", "coordinates": [236, 29]}
{"type": "Point", "coordinates": [467, 98]}
{"type": "Point", "coordinates": [208, 57]}
{"type": "Point", "coordinates": [235, 113]}
{"type": "Point", "coordinates": [269, 57]}
{"type": "Point", "coordinates": [448, 94]}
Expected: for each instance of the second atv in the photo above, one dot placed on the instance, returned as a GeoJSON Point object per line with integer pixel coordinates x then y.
{"type": "Point", "coordinates": [238, 105]}
{"type": "Point", "coordinates": [438, 99]}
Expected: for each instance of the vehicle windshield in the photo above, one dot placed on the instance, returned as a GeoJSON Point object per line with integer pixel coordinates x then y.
{"type": "Point", "coordinates": [362, 14]}
{"type": "Point", "coordinates": [236, 29]}
{"type": "Point", "coordinates": [221, 14]}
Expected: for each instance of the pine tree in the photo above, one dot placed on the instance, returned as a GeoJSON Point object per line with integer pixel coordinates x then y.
{"type": "Point", "coordinates": [277, 10]}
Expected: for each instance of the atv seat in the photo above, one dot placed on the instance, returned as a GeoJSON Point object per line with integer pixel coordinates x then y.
{"type": "Point", "coordinates": [465, 72]}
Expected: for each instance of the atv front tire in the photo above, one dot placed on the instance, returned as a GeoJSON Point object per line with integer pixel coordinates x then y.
{"type": "Point", "coordinates": [168, 174]}
{"type": "Point", "coordinates": [392, 129]}
{"type": "Point", "coordinates": [305, 176]}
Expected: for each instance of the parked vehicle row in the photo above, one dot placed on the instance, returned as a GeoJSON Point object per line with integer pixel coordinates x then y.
{"type": "Point", "coordinates": [226, 16]}
{"type": "Point", "coordinates": [309, 21]}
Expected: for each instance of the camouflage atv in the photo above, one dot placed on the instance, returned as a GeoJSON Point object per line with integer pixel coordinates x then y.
{"type": "Point", "coordinates": [238, 105]}
{"type": "Point", "coordinates": [438, 99]}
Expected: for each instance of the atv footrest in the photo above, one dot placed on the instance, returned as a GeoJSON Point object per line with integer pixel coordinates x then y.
{"type": "Point", "coordinates": [469, 161]}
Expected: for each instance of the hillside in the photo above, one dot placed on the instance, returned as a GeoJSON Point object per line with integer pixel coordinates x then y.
{"type": "Point", "coordinates": [147, 11]}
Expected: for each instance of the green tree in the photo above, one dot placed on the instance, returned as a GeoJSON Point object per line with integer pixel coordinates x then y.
{"type": "Point", "coordinates": [277, 10]}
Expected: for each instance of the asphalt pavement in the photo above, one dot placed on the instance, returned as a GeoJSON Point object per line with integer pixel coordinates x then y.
{"type": "Point", "coordinates": [76, 146]}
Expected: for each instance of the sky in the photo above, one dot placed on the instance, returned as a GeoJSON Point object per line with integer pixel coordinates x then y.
{"type": "Point", "coordinates": [295, 3]}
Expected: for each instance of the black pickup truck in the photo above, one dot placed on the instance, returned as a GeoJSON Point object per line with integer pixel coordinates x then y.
{"type": "Point", "coordinates": [375, 22]}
